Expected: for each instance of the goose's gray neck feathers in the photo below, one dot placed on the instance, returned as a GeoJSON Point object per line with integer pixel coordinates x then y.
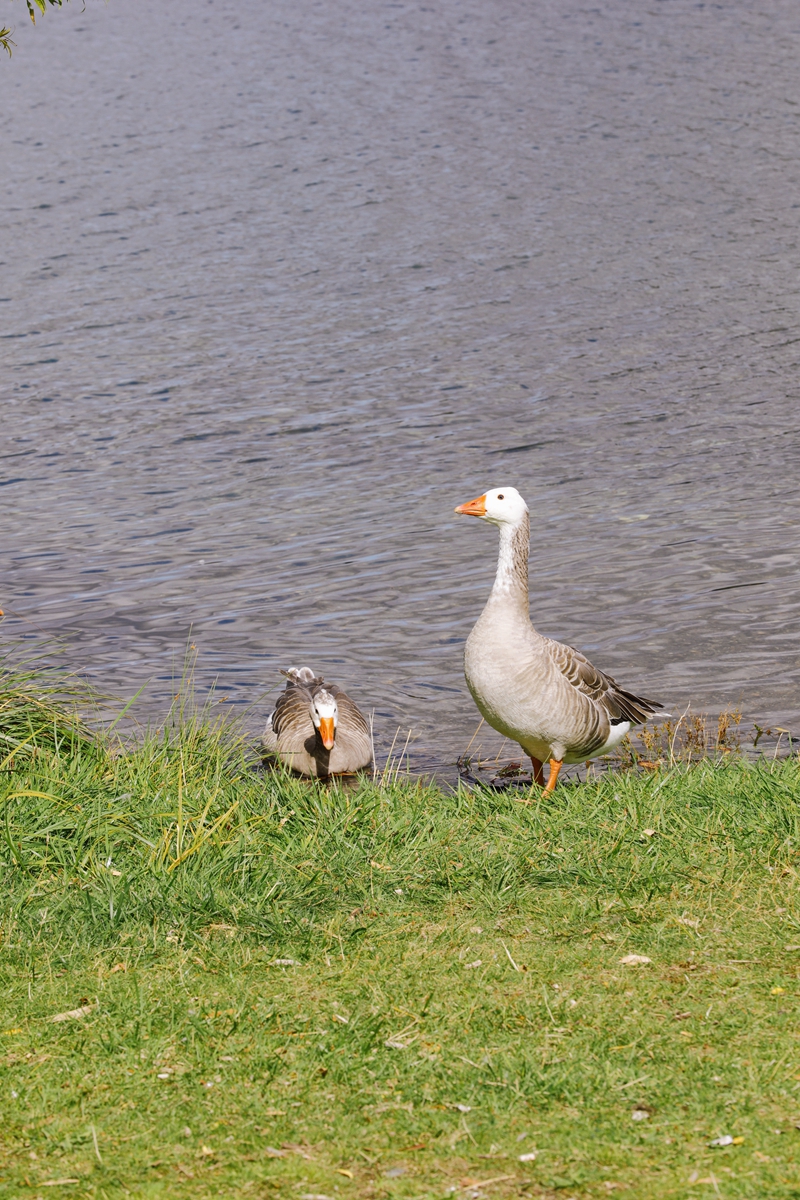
{"type": "Point", "coordinates": [511, 580]}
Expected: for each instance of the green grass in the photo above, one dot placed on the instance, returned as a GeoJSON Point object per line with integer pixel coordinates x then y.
{"type": "Point", "coordinates": [306, 991]}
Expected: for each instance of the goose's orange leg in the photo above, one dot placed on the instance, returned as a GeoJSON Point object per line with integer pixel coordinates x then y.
{"type": "Point", "coordinates": [538, 770]}
{"type": "Point", "coordinates": [555, 767]}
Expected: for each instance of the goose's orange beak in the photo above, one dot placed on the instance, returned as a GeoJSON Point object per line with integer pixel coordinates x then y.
{"type": "Point", "coordinates": [326, 732]}
{"type": "Point", "coordinates": [473, 508]}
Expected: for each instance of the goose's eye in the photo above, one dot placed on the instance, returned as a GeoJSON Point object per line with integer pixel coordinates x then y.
{"type": "Point", "coordinates": [501, 497]}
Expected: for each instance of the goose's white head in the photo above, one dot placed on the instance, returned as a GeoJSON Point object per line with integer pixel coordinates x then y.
{"type": "Point", "coordinates": [501, 506]}
{"type": "Point", "coordinates": [325, 716]}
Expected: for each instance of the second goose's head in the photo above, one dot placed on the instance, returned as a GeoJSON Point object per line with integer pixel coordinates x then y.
{"type": "Point", "coordinates": [325, 716]}
{"type": "Point", "coordinates": [501, 506]}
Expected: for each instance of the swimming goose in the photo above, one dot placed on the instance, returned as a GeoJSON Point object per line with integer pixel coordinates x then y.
{"type": "Point", "coordinates": [316, 728]}
{"type": "Point", "coordinates": [540, 693]}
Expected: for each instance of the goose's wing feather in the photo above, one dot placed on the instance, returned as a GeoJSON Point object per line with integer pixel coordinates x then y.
{"type": "Point", "coordinates": [601, 689]}
{"type": "Point", "coordinates": [292, 710]}
{"type": "Point", "coordinates": [350, 715]}
{"type": "Point", "coordinates": [269, 737]}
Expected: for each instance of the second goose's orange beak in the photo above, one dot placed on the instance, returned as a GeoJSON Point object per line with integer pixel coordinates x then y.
{"type": "Point", "coordinates": [473, 508]}
{"type": "Point", "coordinates": [326, 732]}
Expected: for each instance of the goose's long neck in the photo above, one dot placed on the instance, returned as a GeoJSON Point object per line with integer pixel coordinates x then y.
{"type": "Point", "coordinates": [511, 580]}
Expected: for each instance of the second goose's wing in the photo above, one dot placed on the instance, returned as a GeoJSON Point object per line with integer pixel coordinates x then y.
{"type": "Point", "coordinates": [292, 715]}
{"type": "Point", "coordinates": [349, 712]}
{"type": "Point", "coordinates": [269, 737]}
{"type": "Point", "coordinates": [353, 737]}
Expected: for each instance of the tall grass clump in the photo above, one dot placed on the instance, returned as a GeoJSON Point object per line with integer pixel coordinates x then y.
{"type": "Point", "coordinates": [40, 711]}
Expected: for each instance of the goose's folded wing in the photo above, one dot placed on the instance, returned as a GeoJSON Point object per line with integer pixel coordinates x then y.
{"type": "Point", "coordinates": [351, 717]}
{"type": "Point", "coordinates": [292, 711]}
{"type": "Point", "coordinates": [268, 737]}
{"type": "Point", "coordinates": [599, 687]}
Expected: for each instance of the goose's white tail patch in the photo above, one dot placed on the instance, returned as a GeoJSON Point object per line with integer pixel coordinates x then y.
{"type": "Point", "coordinates": [617, 734]}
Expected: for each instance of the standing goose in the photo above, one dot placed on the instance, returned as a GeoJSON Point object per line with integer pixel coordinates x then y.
{"type": "Point", "coordinates": [540, 693]}
{"type": "Point", "coordinates": [316, 728]}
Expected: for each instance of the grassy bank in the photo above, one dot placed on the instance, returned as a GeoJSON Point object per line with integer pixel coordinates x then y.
{"type": "Point", "coordinates": [276, 988]}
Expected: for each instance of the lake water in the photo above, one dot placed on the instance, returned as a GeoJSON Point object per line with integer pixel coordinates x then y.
{"type": "Point", "coordinates": [284, 283]}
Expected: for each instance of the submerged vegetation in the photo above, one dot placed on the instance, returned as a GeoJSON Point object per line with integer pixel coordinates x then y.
{"type": "Point", "coordinates": [224, 981]}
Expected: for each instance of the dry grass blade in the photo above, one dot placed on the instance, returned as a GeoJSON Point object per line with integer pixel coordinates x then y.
{"type": "Point", "coordinates": [74, 1014]}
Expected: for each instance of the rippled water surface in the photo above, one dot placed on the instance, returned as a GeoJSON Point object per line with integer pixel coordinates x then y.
{"type": "Point", "coordinates": [283, 283]}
